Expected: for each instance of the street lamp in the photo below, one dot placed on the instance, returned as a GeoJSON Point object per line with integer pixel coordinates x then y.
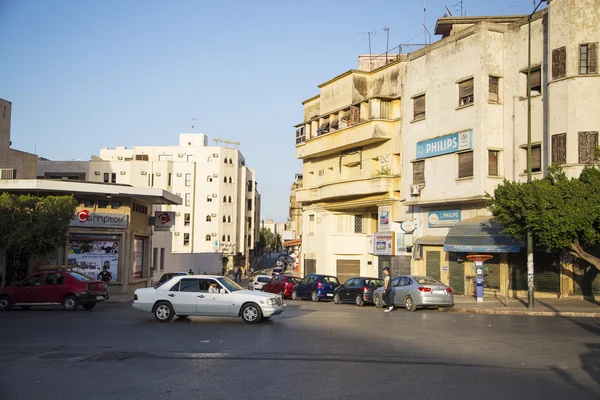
{"type": "Point", "coordinates": [530, 268]}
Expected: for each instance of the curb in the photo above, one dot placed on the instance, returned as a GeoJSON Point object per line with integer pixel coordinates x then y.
{"type": "Point", "coordinates": [571, 314]}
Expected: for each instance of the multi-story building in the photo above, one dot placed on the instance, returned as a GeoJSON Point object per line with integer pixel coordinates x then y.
{"type": "Point", "coordinates": [296, 207]}
{"type": "Point", "coordinates": [350, 143]}
{"type": "Point", "coordinates": [14, 164]}
{"type": "Point", "coordinates": [219, 213]}
{"type": "Point", "coordinates": [461, 129]}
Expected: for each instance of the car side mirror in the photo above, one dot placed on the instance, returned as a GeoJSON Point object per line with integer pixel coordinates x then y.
{"type": "Point", "coordinates": [222, 291]}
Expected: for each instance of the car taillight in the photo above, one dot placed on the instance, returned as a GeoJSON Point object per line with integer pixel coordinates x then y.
{"type": "Point", "coordinates": [365, 289]}
{"type": "Point", "coordinates": [135, 297]}
{"type": "Point", "coordinates": [320, 285]}
{"type": "Point", "coordinates": [424, 289]}
{"type": "Point", "coordinates": [448, 290]}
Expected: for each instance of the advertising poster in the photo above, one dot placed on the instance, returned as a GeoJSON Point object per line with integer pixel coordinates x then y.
{"type": "Point", "coordinates": [383, 243]}
{"type": "Point", "coordinates": [91, 252]}
{"type": "Point", "coordinates": [384, 220]}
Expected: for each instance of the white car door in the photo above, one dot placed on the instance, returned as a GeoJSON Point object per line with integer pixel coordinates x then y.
{"type": "Point", "coordinates": [213, 303]}
{"type": "Point", "coordinates": [184, 296]}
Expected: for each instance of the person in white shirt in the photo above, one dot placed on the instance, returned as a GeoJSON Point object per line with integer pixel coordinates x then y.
{"type": "Point", "coordinates": [387, 289]}
{"type": "Point", "coordinates": [213, 288]}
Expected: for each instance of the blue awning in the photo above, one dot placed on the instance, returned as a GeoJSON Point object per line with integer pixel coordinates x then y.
{"type": "Point", "coordinates": [480, 235]}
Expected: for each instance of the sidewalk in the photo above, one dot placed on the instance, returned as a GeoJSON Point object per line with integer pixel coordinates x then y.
{"type": "Point", "coordinates": [518, 306]}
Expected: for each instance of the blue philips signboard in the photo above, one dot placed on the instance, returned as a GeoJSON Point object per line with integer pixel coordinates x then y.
{"type": "Point", "coordinates": [443, 219]}
{"type": "Point", "coordinates": [445, 144]}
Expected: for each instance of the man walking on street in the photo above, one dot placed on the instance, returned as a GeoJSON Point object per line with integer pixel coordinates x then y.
{"type": "Point", "coordinates": [387, 289]}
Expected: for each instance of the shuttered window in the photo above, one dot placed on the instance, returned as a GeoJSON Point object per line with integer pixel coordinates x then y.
{"type": "Point", "coordinates": [588, 58]}
{"type": "Point", "coordinates": [494, 83]}
{"type": "Point", "coordinates": [419, 107]}
{"type": "Point", "coordinates": [493, 156]}
{"type": "Point", "coordinates": [559, 148]}
{"type": "Point", "coordinates": [536, 158]}
{"type": "Point", "coordinates": [536, 81]}
{"type": "Point", "coordinates": [465, 165]}
{"type": "Point", "coordinates": [385, 107]}
{"type": "Point", "coordinates": [465, 92]}
{"type": "Point", "coordinates": [354, 115]}
{"type": "Point", "coordinates": [559, 63]}
{"type": "Point", "coordinates": [418, 172]}
{"type": "Point", "coordinates": [588, 141]}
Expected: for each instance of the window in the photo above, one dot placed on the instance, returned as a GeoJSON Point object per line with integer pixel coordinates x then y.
{"type": "Point", "coordinates": [493, 162]}
{"type": "Point", "coordinates": [140, 208]}
{"type": "Point", "coordinates": [188, 200]}
{"type": "Point", "coordinates": [223, 238]}
{"type": "Point", "coordinates": [225, 160]}
{"type": "Point", "coordinates": [465, 93]}
{"type": "Point", "coordinates": [249, 207]}
{"type": "Point", "coordinates": [559, 63]}
{"type": "Point", "coordinates": [358, 224]}
{"type": "Point", "coordinates": [588, 141]}
{"type": "Point", "coordinates": [228, 238]}
{"type": "Point", "coordinates": [230, 180]}
{"type": "Point", "coordinates": [224, 179]}
{"type": "Point", "coordinates": [186, 239]}
{"type": "Point", "coordinates": [186, 219]}
{"type": "Point", "coordinates": [588, 59]}
{"type": "Point", "coordinates": [115, 205]}
{"type": "Point", "coordinates": [106, 177]}
{"type": "Point", "coordinates": [141, 157]}
{"type": "Point", "coordinates": [224, 199]}
{"type": "Point", "coordinates": [354, 115]}
{"type": "Point", "coordinates": [54, 279]}
{"type": "Point", "coordinates": [419, 172]}
{"type": "Point", "coordinates": [208, 218]}
{"type": "Point", "coordinates": [536, 81]}
{"type": "Point", "coordinates": [207, 238]}
{"type": "Point", "coordinates": [189, 285]}
{"type": "Point", "coordinates": [493, 90]}
{"type": "Point", "coordinates": [208, 199]}
{"type": "Point", "coordinates": [311, 224]}
{"type": "Point", "coordinates": [465, 164]}
{"type": "Point", "coordinates": [170, 179]}
{"type": "Point", "coordinates": [224, 218]}
{"type": "Point", "coordinates": [165, 157]}
{"type": "Point", "coordinates": [250, 186]}
{"type": "Point", "coordinates": [536, 158]}
{"type": "Point", "coordinates": [89, 203]}
{"type": "Point", "coordinates": [300, 135]}
{"type": "Point", "coordinates": [231, 161]}
{"type": "Point", "coordinates": [559, 148]}
{"type": "Point", "coordinates": [188, 179]}
{"type": "Point", "coordinates": [385, 109]}
{"type": "Point", "coordinates": [209, 178]}
{"type": "Point", "coordinates": [162, 258]}
{"type": "Point", "coordinates": [229, 198]}
{"type": "Point", "coordinates": [102, 203]}
{"type": "Point", "coordinates": [155, 257]}
{"type": "Point", "coordinates": [419, 107]}
{"type": "Point", "coordinates": [229, 218]}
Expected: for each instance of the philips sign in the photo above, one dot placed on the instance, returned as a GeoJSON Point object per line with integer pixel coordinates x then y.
{"type": "Point", "coordinates": [445, 144]}
{"type": "Point", "coordinates": [84, 218]}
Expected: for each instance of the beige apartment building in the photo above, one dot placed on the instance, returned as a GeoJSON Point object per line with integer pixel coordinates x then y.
{"type": "Point", "coordinates": [461, 129]}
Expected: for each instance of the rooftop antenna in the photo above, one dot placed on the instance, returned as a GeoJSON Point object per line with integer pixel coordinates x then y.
{"type": "Point", "coordinates": [460, 3]}
{"type": "Point", "coordinates": [193, 119]}
{"type": "Point", "coordinates": [425, 20]}
{"type": "Point", "coordinates": [369, 34]}
{"type": "Point", "coordinates": [387, 42]}
{"type": "Point", "coordinates": [448, 12]}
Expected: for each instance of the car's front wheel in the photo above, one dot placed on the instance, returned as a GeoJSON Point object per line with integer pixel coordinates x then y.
{"type": "Point", "coordinates": [409, 304]}
{"type": "Point", "coordinates": [314, 297]}
{"type": "Point", "coordinates": [359, 300]}
{"type": "Point", "coordinates": [89, 306]}
{"type": "Point", "coordinates": [251, 313]}
{"type": "Point", "coordinates": [378, 301]}
{"type": "Point", "coordinates": [70, 303]}
{"type": "Point", "coordinates": [336, 298]}
{"type": "Point", "coordinates": [5, 303]}
{"type": "Point", "coordinates": [163, 311]}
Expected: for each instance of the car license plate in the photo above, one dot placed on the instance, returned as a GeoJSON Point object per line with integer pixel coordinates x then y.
{"type": "Point", "coordinates": [99, 297]}
{"type": "Point", "coordinates": [330, 294]}
{"type": "Point", "coordinates": [439, 292]}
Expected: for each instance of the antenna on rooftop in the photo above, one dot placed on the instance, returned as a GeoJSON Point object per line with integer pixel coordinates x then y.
{"type": "Point", "coordinates": [460, 3]}
{"type": "Point", "coordinates": [387, 42]}
{"type": "Point", "coordinates": [448, 12]}
{"type": "Point", "coordinates": [369, 34]}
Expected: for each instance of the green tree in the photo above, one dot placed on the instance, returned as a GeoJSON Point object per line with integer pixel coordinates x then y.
{"type": "Point", "coordinates": [33, 226]}
{"type": "Point", "coordinates": [562, 213]}
{"type": "Point", "coordinates": [266, 237]}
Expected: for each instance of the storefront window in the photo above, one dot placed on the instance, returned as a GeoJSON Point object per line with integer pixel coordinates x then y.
{"type": "Point", "coordinates": [138, 257]}
{"type": "Point", "coordinates": [92, 252]}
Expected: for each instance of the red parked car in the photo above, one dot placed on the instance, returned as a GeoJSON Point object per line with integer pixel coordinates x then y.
{"type": "Point", "coordinates": [281, 284]}
{"type": "Point", "coordinates": [67, 288]}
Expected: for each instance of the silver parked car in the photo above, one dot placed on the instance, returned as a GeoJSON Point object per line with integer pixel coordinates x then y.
{"type": "Point", "coordinates": [417, 291]}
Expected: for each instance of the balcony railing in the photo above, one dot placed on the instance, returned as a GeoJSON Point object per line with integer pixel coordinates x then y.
{"type": "Point", "coordinates": [347, 188]}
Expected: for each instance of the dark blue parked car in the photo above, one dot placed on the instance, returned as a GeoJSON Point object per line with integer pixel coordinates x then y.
{"type": "Point", "coordinates": [315, 287]}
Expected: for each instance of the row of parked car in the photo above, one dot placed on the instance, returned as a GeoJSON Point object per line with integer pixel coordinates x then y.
{"type": "Point", "coordinates": [408, 291]}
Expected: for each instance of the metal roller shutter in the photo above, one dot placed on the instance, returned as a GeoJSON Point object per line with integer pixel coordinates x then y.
{"type": "Point", "coordinates": [347, 269]}
{"type": "Point", "coordinates": [546, 273]}
{"type": "Point", "coordinates": [432, 264]}
{"type": "Point", "coordinates": [587, 279]}
{"type": "Point", "coordinates": [456, 272]}
{"type": "Point", "coordinates": [310, 266]}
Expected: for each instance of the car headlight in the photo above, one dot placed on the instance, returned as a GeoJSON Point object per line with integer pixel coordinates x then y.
{"type": "Point", "coordinates": [272, 301]}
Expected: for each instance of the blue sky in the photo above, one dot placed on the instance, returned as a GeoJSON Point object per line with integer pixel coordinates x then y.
{"type": "Point", "coordinates": [87, 74]}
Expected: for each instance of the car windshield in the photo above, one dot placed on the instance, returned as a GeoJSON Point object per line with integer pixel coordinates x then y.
{"type": "Point", "coordinates": [331, 280]}
{"type": "Point", "coordinates": [263, 279]}
{"type": "Point", "coordinates": [373, 282]}
{"type": "Point", "coordinates": [425, 280]}
{"type": "Point", "coordinates": [229, 284]}
{"type": "Point", "coordinates": [79, 276]}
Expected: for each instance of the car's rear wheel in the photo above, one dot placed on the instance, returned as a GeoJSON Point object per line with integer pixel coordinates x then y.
{"type": "Point", "coordinates": [251, 313]}
{"type": "Point", "coordinates": [70, 303]}
{"type": "Point", "coordinates": [409, 304]}
{"type": "Point", "coordinates": [336, 299]}
{"type": "Point", "coordinates": [5, 303]}
{"type": "Point", "coordinates": [314, 297]}
{"type": "Point", "coordinates": [443, 309]}
{"type": "Point", "coordinates": [89, 306]}
{"type": "Point", "coordinates": [163, 311]}
{"type": "Point", "coordinates": [359, 300]}
{"type": "Point", "coordinates": [294, 295]}
{"type": "Point", "coordinates": [378, 301]}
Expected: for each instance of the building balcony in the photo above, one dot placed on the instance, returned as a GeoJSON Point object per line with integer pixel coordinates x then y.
{"type": "Point", "coordinates": [362, 134]}
{"type": "Point", "coordinates": [347, 188]}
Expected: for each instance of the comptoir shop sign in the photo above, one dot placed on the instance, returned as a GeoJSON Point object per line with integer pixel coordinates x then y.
{"type": "Point", "coordinates": [84, 218]}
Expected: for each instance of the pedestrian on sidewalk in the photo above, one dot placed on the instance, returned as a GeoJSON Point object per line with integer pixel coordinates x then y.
{"type": "Point", "coordinates": [387, 289]}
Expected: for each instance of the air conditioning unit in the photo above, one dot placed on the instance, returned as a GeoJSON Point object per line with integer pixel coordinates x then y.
{"type": "Point", "coordinates": [216, 155]}
{"type": "Point", "coordinates": [176, 233]}
{"type": "Point", "coordinates": [215, 175]}
{"type": "Point", "coordinates": [119, 157]}
{"type": "Point", "coordinates": [213, 215]}
{"type": "Point", "coordinates": [178, 194]}
{"type": "Point", "coordinates": [214, 195]}
{"type": "Point", "coordinates": [415, 190]}
{"type": "Point", "coordinates": [96, 172]}
{"type": "Point", "coordinates": [180, 155]}
{"type": "Point", "coordinates": [144, 173]}
{"type": "Point", "coordinates": [158, 174]}
{"type": "Point", "coordinates": [179, 174]}
{"type": "Point", "coordinates": [122, 172]}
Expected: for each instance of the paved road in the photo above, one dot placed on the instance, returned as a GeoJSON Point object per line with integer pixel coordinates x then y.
{"type": "Point", "coordinates": [312, 351]}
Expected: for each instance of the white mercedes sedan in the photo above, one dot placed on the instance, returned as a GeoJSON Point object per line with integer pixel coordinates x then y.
{"type": "Point", "coordinates": [204, 295]}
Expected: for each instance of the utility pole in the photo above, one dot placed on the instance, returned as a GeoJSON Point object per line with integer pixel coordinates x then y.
{"type": "Point", "coordinates": [387, 43]}
{"type": "Point", "coordinates": [530, 266]}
